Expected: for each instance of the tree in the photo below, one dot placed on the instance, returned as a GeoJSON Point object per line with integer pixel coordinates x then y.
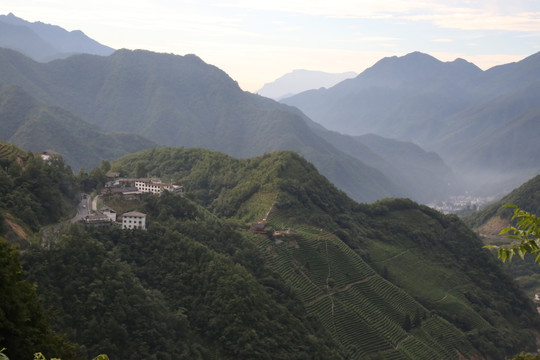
{"type": "Point", "coordinates": [141, 170]}
{"type": "Point", "coordinates": [24, 326]}
{"type": "Point", "coordinates": [525, 232]}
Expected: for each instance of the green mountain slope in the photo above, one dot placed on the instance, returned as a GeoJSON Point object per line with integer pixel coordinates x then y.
{"type": "Point", "coordinates": [526, 197]}
{"type": "Point", "coordinates": [33, 126]}
{"type": "Point", "coordinates": [344, 260]}
{"type": "Point", "coordinates": [166, 294]}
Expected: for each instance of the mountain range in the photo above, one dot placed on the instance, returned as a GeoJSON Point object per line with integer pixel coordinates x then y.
{"type": "Point", "coordinates": [44, 42]}
{"type": "Point", "coordinates": [299, 81]}
{"type": "Point", "coordinates": [479, 126]}
{"type": "Point", "coordinates": [182, 101]}
{"type": "Point", "coordinates": [479, 122]}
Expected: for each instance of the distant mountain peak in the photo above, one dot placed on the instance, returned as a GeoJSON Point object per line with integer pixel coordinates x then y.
{"type": "Point", "coordinates": [300, 80]}
{"type": "Point", "coordinates": [45, 42]}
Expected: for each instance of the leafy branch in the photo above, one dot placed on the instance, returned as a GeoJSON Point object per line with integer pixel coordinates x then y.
{"type": "Point", "coordinates": [526, 234]}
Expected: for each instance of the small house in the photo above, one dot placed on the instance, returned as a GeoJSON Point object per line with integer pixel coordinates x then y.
{"type": "Point", "coordinates": [258, 228]}
{"type": "Point", "coordinates": [110, 213]}
{"type": "Point", "coordinates": [96, 220]}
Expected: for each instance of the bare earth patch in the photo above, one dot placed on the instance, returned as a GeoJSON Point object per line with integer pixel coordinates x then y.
{"type": "Point", "coordinates": [17, 229]}
{"type": "Point", "coordinates": [493, 226]}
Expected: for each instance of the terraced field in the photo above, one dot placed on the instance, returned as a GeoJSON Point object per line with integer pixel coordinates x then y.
{"type": "Point", "coordinates": [363, 311]}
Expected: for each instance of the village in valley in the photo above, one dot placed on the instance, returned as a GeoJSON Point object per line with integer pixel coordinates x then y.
{"type": "Point", "coordinates": [128, 189]}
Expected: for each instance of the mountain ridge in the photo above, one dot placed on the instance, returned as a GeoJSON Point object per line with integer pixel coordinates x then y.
{"type": "Point", "coordinates": [45, 42]}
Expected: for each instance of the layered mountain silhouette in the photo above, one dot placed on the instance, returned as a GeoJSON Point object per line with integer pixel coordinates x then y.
{"type": "Point", "coordinates": [299, 81]}
{"type": "Point", "coordinates": [44, 42]}
{"type": "Point", "coordinates": [182, 101]}
{"type": "Point", "coordinates": [476, 120]}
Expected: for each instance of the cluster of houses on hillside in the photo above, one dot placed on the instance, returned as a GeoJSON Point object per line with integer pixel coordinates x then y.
{"type": "Point", "coordinates": [130, 188]}
{"type": "Point", "coordinates": [107, 216]}
{"type": "Point", "coordinates": [136, 186]}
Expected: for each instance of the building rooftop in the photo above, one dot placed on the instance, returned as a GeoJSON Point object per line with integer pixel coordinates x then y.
{"type": "Point", "coordinates": [134, 213]}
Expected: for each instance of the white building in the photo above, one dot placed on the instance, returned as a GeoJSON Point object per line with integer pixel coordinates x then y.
{"type": "Point", "coordinates": [134, 220]}
{"type": "Point", "coordinates": [110, 213]}
{"type": "Point", "coordinates": [155, 186]}
{"type": "Point", "coordinates": [149, 185]}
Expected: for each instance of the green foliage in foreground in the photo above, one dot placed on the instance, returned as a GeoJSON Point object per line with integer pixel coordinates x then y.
{"type": "Point", "coordinates": [526, 356]}
{"type": "Point", "coordinates": [525, 231]}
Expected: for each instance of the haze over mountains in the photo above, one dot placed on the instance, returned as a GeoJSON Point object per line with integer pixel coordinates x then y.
{"type": "Point", "coordinates": [299, 81]}
{"type": "Point", "coordinates": [478, 121]}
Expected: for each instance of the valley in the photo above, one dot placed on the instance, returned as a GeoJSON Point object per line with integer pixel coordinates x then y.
{"type": "Point", "coordinates": [461, 204]}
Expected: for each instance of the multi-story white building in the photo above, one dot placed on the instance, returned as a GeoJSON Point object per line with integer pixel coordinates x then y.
{"type": "Point", "coordinates": [155, 186]}
{"type": "Point", "coordinates": [134, 220]}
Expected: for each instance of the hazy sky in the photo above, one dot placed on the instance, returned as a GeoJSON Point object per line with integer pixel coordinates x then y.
{"type": "Point", "coordinates": [256, 42]}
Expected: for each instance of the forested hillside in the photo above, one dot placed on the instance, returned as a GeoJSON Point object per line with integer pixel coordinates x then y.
{"type": "Point", "coordinates": [326, 277]}
{"type": "Point", "coordinates": [33, 192]}
{"type": "Point", "coordinates": [24, 326]}
{"type": "Point", "coordinates": [342, 258]}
